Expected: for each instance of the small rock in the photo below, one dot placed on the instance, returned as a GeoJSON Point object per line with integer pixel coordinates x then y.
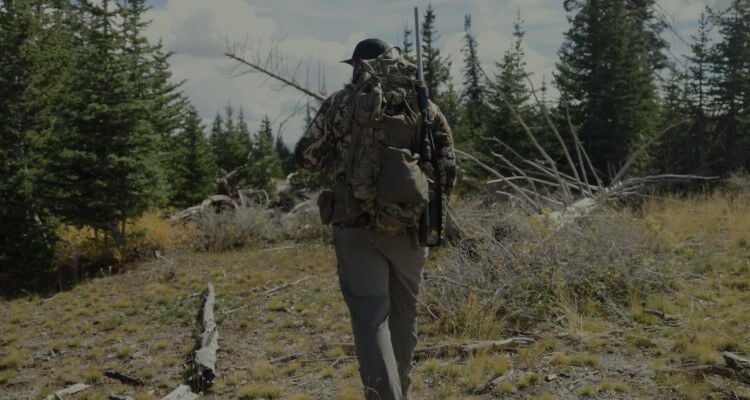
{"type": "Point", "coordinates": [550, 377]}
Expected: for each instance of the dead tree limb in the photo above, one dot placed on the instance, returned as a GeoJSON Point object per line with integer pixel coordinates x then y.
{"type": "Point", "coordinates": [204, 362]}
{"type": "Point", "coordinates": [181, 393]}
{"type": "Point", "coordinates": [123, 378]}
{"type": "Point", "coordinates": [464, 350]}
{"type": "Point", "coordinates": [263, 69]}
{"type": "Point", "coordinates": [284, 286]}
{"type": "Point", "coordinates": [73, 389]}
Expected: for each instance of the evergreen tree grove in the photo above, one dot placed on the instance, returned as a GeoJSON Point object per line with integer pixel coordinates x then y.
{"type": "Point", "coordinates": [26, 228]}
{"type": "Point", "coordinates": [730, 87]}
{"type": "Point", "coordinates": [104, 170]}
{"type": "Point", "coordinates": [605, 74]}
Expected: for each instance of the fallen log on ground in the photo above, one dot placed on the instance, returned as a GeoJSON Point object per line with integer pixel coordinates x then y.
{"type": "Point", "coordinates": [73, 389]}
{"type": "Point", "coordinates": [444, 350]}
{"type": "Point", "coordinates": [204, 362]}
{"type": "Point", "coordinates": [738, 364]}
{"type": "Point", "coordinates": [470, 349]}
{"type": "Point", "coordinates": [284, 286]}
{"type": "Point", "coordinates": [181, 393]}
{"type": "Point", "coordinates": [492, 384]}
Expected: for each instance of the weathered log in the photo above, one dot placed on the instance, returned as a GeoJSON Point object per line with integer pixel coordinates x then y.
{"type": "Point", "coordinates": [719, 370]}
{"type": "Point", "coordinates": [288, 357]}
{"type": "Point", "coordinates": [492, 384]}
{"type": "Point", "coordinates": [470, 349]}
{"type": "Point", "coordinates": [73, 389]}
{"type": "Point", "coordinates": [284, 286]}
{"type": "Point", "coordinates": [181, 393]}
{"type": "Point", "coordinates": [668, 319]}
{"type": "Point", "coordinates": [213, 203]}
{"type": "Point", "coordinates": [443, 350]}
{"type": "Point", "coordinates": [204, 362]}
{"type": "Point", "coordinates": [740, 365]}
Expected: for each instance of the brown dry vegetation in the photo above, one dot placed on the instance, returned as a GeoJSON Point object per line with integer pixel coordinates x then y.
{"type": "Point", "coordinates": [587, 294]}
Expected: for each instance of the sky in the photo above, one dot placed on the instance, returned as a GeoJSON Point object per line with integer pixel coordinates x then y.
{"type": "Point", "coordinates": [317, 34]}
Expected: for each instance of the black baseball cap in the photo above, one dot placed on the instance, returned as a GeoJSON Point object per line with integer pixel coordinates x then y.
{"type": "Point", "coordinates": [368, 49]}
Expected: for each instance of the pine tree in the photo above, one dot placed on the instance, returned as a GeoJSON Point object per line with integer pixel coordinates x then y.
{"type": "Point", "coordinates": [32, 58]}
{"type": "Point", "coordinates": [104, 170]}
{"type": "Point", "coordinates": [730, 61]}
{"type": "Point", "coordinates": [605, 74]}
{"type": "Point", "coordinates": [691, 149]}
{"type": "Point", "coordinates": [192, 165]}
{"type": "Point", "coordinates": [229, 146]}
{"type": "Point", "coordinates": [472, 97]}
{"type": "Point", "coordinates": [436, 67]}
{"type": "Point", "coordinates": [243, 132]}
{"type": "Point", "coordinates": [509, 85]}
{"type": "Point", "coordinates": [407, 46]}
{"type": "Point", "coordinates": [264, 163]}
{"type": "Point", "coordinates": [286, 157]}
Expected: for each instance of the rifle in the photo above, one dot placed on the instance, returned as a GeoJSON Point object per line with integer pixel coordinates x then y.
{"type": "Point", "coordinates": [434, 206]}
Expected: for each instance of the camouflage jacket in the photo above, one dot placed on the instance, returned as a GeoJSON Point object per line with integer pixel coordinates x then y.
{"type": "Point", "coordinates": [325, 143]}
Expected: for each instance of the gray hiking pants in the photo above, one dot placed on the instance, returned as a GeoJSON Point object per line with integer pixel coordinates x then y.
{"type": "Point", "coordinates": [379, 276]}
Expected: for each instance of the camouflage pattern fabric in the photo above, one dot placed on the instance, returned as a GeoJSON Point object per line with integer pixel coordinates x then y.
{"type": "Point", "coordinates": [325, 144]}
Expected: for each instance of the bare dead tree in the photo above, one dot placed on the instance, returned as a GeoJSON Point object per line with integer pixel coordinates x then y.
{"type": "Point", "coordinates": [271, 63]}
{"type": "Point", "coordinates": [542, 185]}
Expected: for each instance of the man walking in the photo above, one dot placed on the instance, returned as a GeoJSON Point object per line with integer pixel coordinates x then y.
{"type": "Point", "coordinates": [365, 136]}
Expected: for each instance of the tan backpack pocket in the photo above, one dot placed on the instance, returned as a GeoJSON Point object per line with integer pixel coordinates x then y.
{"type": "Point", "coordinates": [398, 131]}
{"type": "Point", "coordinates": [400, 180]}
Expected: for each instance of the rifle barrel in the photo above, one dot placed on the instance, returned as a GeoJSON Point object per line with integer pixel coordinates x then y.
{"type": "Point", "coordinates": [418, 45]}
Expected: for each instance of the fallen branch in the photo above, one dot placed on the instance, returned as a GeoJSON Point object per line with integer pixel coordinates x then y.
{"type": "Point", "coordinates": [236, 309]}
{"type": "Point", "coordinates": [670, 320]}
{"type": "Point", "coordinates": [287, 81]}
{"type": "Point", "coordinates": [284, 286]}
{"type": "Point", "coordinates": [181, 393]}
{"type": "Point", "coordinates": [469, 349]}
{"type": "Point", "coordinates": [719, 370]}
{"type": "Point", "coordinates": [738, 364]}
{"type": "Point", "coordinates": [73, 389]}
{"type": "Point", "coordinates": [444, 350]}
{"type": "Point", "coordinates": [123, 378]}
{"type": "Point", "coordinates": [204, 362]}
{"type": "Point", "coordinates": [288, 357]}
{"type": "Point", "coordinates": [327, 359]}
{"type": "Point", "coordinates": [492, 384]}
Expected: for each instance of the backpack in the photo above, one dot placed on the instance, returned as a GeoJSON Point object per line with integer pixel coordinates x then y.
{"type": "Point", "coordinates": [383, 167]}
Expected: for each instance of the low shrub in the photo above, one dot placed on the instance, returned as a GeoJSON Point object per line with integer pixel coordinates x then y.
{"type": "Point", "coordinates": [521, 268]}
{"type": "Point", "coordinates": [236, 228]}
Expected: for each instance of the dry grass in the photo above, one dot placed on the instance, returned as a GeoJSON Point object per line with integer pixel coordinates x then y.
{"type": "Point", "coordinates": [238, 228]}
{"type": "Point", "coordinates": [520, 276]}
{"type": "Point", "coordinates": [518, 270]}
{"type": "Point", "coordinates": [151, 231]}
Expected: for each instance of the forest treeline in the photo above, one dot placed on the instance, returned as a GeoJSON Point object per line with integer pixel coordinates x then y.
{"type": "Point", "coordinates": [94, 130]}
